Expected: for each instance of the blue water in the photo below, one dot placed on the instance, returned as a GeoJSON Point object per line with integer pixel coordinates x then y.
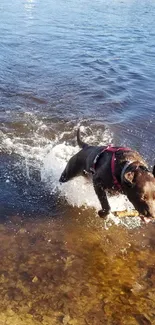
{"type": "Point", "coordinates": [62, 62]}
{"type": "Point", "coordinates": [97, 57]}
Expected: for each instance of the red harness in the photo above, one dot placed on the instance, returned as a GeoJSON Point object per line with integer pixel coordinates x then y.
{"type": "Point", "coordinates": [109, 148]}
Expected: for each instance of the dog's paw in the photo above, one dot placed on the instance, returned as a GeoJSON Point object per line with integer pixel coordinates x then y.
{"type": "Point", "coordinates": [103, 214]}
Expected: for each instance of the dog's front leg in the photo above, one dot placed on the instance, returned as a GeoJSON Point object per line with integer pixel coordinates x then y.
{"type": "Point", "coordinates": [100, 191]}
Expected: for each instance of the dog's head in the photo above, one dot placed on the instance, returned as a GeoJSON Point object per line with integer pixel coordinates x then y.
{"type": "Point", "coordinates": [140, 190]}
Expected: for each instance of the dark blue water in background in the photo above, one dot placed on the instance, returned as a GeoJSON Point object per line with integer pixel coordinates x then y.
{"type": "Point", "coordinates": [62, 62]}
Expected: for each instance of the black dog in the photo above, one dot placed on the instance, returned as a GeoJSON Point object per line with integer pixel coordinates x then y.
{"type": "Point", "coordinates": [117, 169]}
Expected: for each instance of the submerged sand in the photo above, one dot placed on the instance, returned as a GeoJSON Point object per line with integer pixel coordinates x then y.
{"type": "Point", "coordinates": [71, 270]}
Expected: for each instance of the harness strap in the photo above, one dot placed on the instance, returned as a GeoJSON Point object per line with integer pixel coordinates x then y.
{"type": "Point", "coordinates": [113, 150]}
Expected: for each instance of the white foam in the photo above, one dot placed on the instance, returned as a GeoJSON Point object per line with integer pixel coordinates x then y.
{"type": "Point", "coordinates": [78, 192]}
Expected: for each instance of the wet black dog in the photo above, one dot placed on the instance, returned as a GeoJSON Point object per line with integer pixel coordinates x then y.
{"type": "Point", "coordinates": [116, 169]}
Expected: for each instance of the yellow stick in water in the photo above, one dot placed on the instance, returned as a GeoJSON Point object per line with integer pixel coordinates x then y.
{"type": "Point", "coordinates": [126, 213]}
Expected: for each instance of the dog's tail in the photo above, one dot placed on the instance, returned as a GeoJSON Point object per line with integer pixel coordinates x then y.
{"type": "Point", "coordinates": [79, 141]}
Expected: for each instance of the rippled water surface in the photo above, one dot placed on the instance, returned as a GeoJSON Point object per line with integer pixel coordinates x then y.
{"type": "Point", "coordinates": [65, 64]}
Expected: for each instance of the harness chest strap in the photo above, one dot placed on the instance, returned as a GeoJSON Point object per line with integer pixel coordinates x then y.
{"type": "Point", "coordinates": [113, 150]}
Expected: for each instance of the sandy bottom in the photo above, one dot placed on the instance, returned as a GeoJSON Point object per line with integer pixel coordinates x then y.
{"type": "Point", "coordinates": [71, 270]}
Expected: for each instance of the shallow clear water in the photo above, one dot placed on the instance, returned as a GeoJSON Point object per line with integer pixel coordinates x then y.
{"type": "Point", "coordinates": [65, 64]}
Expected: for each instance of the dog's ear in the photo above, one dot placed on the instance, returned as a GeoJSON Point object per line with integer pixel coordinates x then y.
{"type": "Point", "coordinates": [153, 171]}
{"type": "Point", "coordinates": [129, 178]}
